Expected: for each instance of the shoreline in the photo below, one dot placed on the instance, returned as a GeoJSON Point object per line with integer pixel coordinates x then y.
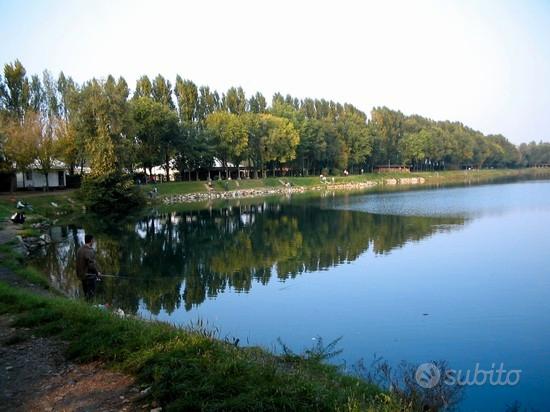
{"type": "Point", "coordinates": [261, 192]}
{"type": "Point", "coordinates": [50, 206]}
{"type": "Point", "coordinates": [289, 186]}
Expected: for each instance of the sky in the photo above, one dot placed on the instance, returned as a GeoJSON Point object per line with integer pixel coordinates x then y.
{"type": "Point", "coordinates": [484, 63]}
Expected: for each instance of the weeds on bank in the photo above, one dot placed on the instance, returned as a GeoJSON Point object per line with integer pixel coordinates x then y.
{"type": "Point", "coordinates": [404, 386]}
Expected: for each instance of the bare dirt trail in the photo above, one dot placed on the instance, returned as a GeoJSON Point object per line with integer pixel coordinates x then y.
{"type": "Point", "coordinates": [35, 376]}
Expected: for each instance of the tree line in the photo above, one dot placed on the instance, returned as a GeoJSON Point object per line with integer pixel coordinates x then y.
{"type": "Point", "coordinates": [106, 126]}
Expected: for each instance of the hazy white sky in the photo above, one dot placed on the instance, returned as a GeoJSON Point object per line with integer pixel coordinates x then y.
{"type": "Point", "coordinates": [485, 63]}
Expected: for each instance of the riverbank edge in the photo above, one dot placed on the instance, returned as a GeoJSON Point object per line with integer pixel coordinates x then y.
{"type": "Point", "coordinates": [49, 207]}
{"type": "Point", "coordinates": [355, 183]}
{"type": "Point", "coordinates": [187, 368]}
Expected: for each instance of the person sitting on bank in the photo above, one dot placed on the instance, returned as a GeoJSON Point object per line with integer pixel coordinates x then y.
{"type": "Point", "coordinates": [18, 218]}
{"type": "Point", "coordinates": [86, 267]}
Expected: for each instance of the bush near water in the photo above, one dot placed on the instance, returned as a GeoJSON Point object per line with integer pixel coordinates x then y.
{"type": "Point", "coordinates": [110, 193]}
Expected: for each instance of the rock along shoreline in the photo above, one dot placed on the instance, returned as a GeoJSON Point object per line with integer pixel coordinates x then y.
{"type": "Point", "coordinates": [283, 190]}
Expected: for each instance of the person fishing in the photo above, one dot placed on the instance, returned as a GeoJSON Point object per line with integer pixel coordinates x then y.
{"type": "Point", "coordinates": [86, 267]}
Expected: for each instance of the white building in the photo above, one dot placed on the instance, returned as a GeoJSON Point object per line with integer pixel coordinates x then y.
{"type": "Point", "coordinates": [35, 179]}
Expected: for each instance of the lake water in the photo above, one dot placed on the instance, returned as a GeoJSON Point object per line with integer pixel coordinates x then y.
{"type": "Point", "coordinates": [458, 274]}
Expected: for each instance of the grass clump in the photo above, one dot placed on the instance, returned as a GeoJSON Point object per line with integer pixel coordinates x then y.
{"type": "Point", "coordinates": [5, 211]}
{"type": "Point", "coordinates": [189, 370]}
{"type": "Point", "coordinates": [13, 261]}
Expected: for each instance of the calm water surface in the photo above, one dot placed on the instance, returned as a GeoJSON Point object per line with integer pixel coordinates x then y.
{"type": "Point", "coordinates": [457, 274]}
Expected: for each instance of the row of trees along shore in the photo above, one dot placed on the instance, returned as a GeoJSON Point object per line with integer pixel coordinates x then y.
{"type": "Point", "coordinates": [104, 125]}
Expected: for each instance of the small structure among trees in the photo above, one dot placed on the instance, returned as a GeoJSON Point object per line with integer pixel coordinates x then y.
{"type": "Point", "coordinates": [35, 178]}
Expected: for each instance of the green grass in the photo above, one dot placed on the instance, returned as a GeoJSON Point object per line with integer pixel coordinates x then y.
{"type": "Point", "coordinates": [189, 369]}
{"type": "Point", "coordinates": [5, 210]}
{"type": "Point", "coordinates": [41, 204]}
{"type": "Point", "coordinates": [177, 187]}
{"type": "Point", "coordinates": [14, 262]}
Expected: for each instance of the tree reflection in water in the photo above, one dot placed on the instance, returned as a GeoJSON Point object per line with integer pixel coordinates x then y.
{"type": "Point", "coordinates": [167, 260]}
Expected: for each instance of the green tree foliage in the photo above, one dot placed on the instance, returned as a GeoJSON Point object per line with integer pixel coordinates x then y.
{"type": "Point", "coordinates": [111, 193]}
{"type": "Point", "coordinates": [162, 91]}
{"type": "Point", "coordinates": [144, 87]}
{"type": "Point", "coordinates": [229, 137]}
{"type": "Point", "coordinates": [15, 90]}
{"type": "Point", "coordinates": [256, 129]}
{"type": "Point", "coordinates": [194, 151]}
{"type": "Point", "coordinates": [282, 139]}
{"type": "Point", "coordinates": [388, 126]}
{"type": "Point", "coordinates": [533, 154]}
{"type": "Point", "coordinates": [235, 101]}
{"type": "Point", "coordinates": [31, 129]}
{"type": "Point", "coordinates": [104, 125]}
{"type": "Point", "coordinates": [504, 153]}
{"type": "Point", "coordinates": [157, 132]}
{"type": "Point", "coordinates": [187, 97]}
{"type": "Point", "coordinates": [313, 146]}
{"type": "Point", "coordinates": [414, 147]}
{"type": "Point", "coordinates": [352, 126]}
{"type": "Point", "coordinates": [208, 103]}
{"type": "Point", "coordinates": [71, 148]}
{"type": "Point", "coordinates": [271, 139]}
{"type": "Point", "coordinates": [36, 95]}
{"type": "Point", "coordinates": [279, 141]}
{"type": "Point", "coordinates": [101, 152]}
{"type": "Point", "coordinates": [257, 103]}
{"type": "Point", "coordinates": [96, 124]}
{"type": "Point", "coordinates": [19, 146]}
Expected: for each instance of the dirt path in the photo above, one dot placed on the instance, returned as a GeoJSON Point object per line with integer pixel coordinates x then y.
{"type": "Point", "coordinates": [36, 376]}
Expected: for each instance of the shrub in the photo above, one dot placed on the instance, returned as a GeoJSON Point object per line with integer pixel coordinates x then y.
{"type": "Point", "coordinates": [112, 193]}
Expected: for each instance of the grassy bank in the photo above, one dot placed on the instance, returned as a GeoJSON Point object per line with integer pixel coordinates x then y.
{"type": "Point", "coordinates": [189, 369]}
{"type": "Point", "coordinates": [44, 204]}
{"type": "Point", "coordinates": [15, 263]}
{"type": "Point", "coordinates": [454, 176]}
